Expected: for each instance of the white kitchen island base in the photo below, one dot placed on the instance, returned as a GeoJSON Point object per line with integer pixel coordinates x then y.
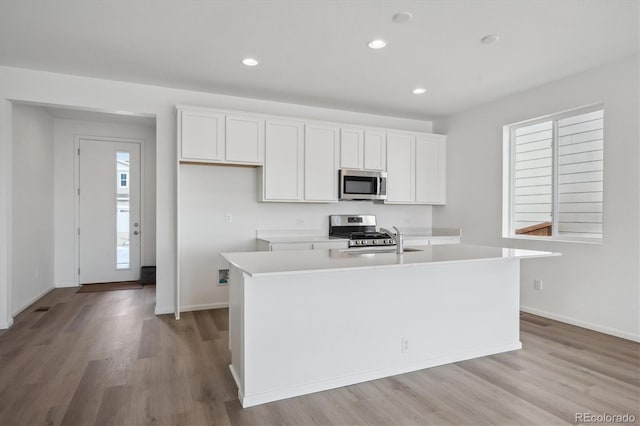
{"type": "Point", "coordinates": [294, 332]}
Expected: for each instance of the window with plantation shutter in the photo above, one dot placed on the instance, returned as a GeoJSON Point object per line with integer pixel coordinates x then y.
{"type": "Point", "coordinates": [554, 184]}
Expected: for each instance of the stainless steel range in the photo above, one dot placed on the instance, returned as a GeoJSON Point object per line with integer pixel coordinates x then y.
{"type": "Point", "coordinates": [359, 229]}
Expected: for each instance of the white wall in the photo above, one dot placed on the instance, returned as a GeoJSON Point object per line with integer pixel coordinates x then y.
{"type": "Point", "coordinates": [209, 192]}
{"type": "Point", "coordinates": [65, 131]}
{"type": "Point", "coordinates": [595, 286]}
{"type": "Point", "coordinates": [33, 230]}
{"type": "Point", "coordinates": [112, 96]}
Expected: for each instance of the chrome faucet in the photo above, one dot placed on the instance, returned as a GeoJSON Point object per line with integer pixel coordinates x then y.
{"type": "Point", "coordinates": [398, 238]}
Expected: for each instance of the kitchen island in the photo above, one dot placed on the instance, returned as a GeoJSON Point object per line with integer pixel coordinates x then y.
{"type": "Point", "coordinates": [312, 320]}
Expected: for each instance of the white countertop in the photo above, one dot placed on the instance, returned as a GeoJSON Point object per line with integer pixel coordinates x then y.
{"type": "Point", "coordinates": [265, 263]}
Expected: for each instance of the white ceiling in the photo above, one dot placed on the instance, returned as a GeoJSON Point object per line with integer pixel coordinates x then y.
{"type": "Point", "coordinates": [315, 51]}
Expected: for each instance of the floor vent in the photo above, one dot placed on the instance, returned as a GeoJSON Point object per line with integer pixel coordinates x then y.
{"type": "Point", "coordinates": [42, 309]}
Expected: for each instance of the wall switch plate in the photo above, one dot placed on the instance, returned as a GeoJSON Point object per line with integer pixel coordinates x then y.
{"type": "Point", "coordinates": [228, 218]}
{"type": "Point", "coordinates": [537, 285]}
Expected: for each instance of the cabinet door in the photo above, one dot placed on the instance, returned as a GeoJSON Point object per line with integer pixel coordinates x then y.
{"type": "Point", "coordinates": [283, 160]}
{"type": "Point", "coordinates": [375, 150]}
{"type": "Point", "coordinates": [291, 246]}
{"type": "Point", "coordinates": [244, 142]}
{"type": "Point", "coordinates": [320, 163]}
{"type": "Point", "coordinates": [430, 169]}
{"type": "Point", "coordinates": [202, 135]}
{"type": "Point", "coordinates": [351, 144]}
{"type": "Point", "coordinates": [327, 245]}
{"type": "Point", "coordinates": [400, 168]}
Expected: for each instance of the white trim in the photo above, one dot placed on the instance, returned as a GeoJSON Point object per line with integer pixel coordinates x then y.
{"type": "Point", "coordinates": [584, 324]}
{"type": "Point", "coordinates": [6, 324]}
{"type": "Point", "coordinates": [163, 310]}
{"type": "Point", "coordinates": [31, 301]}
{"type": "Point", "coordinates": [76, 198]}
{"type": "Point", "coordinates": [202, 307]}
{"type": "Point", "coordinates": [336, 382]}
{"type": "Point", "coordinates": [6, 213]}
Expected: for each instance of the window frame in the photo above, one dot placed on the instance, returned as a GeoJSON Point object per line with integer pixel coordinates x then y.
{"type": "Point", "coordinates": [508, 174]}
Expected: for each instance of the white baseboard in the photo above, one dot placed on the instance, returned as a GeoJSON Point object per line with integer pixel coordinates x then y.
{"type": "Point", "coordinates": [6, 324]}
{"type": "Point", "coordinates": [161, 310]}
{"type": "Point", "coordinates": [33, 299]}
{"type": "Point", "coordinates": [66, 285]}
{"type": "Point", "coordinates": [584, 324]}
{"type": "Point", "coordinates": [351, 379]}
{"type": "Point", "coordinates": [219, 305]}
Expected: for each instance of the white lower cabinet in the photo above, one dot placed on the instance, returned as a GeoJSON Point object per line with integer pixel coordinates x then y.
{"type": "Point", "coordinates": [283, 171]}
{"type": "Point", "coordinates": [430, 241]}
{"type": "Point", "coordinates": [290, 246]}
{"type": "Point", "coordinates": [264, 245]}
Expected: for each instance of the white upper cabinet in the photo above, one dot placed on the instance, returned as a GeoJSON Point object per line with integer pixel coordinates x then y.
{"type": "Point", "coordinates": [416, 168]}
{"type": "Point", "coordinates": [283, 171]}
{"type": "Point", "coordinates": [201, 135]}
{"type": "Point", "coordinates": [301, 159]}
{"type": "Point", "coordinates": [209, 136]}
{"type": "Point", "coordinates": [363, 149]}
{"type": "Point", "coordinates": [375, 150]}
{"type": "Point", "coordinates": [321, 163]}
{"type": "Point", "coordinates": [430, 169]}
{"type": "Point", "coordinates": [244, 142]}
{"type": "Point", "coordinates": [351, 148]}
{"type": "Point", "coordinates": [400, 168]}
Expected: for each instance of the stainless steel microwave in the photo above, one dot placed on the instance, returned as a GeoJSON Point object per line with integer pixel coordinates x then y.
{"type": "Point", "coordinates": [362, 185]}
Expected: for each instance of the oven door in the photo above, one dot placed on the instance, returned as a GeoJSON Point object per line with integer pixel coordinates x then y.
{"type": "Point", "coordinates": [361, 185]}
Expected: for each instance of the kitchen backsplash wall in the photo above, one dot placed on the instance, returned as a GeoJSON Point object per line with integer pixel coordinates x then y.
{"type": "Point", "coordinates": [209, 193]}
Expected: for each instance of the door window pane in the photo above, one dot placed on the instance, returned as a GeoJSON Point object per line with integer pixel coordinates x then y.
{"type": "Point", "coordinates": [122, 211]}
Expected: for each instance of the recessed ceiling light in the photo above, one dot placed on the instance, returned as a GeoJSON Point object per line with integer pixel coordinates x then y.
{"type": "Point", "coordinates": [490, 39]}
{"type": "Point", "coordinates": [250, 62]}
{"type": "Point", "coordinates": [377, 44]}
{"type": "Point", "coordinates": [419, 91]}
{"type": "Point", "coordinates": [402, 17]}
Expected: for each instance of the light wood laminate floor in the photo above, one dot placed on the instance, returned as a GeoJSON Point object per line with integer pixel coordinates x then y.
{"type": "Point", "coordinates": [104, 358]}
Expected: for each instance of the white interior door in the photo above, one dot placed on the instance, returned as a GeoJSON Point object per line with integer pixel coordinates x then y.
{"type": "Point", "coordinates": [109, 211]}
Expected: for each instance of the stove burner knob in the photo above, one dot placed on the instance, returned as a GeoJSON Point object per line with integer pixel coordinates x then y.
{"type": "Point", "coordinates": [375, 242]}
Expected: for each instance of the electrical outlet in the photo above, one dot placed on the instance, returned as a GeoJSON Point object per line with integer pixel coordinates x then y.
{"type": "Point", "coordinates": [537, 284]}
{"type": "Point", "coordinates": [299, 221]}
{"type": "Point", "coordinates": [228, 218]}
{"type": "Point", "coordinates": [405, 345]}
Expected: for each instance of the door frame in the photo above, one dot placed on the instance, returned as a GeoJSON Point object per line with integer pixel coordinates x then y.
{"type": "Point", "coordinates": [76, 197]}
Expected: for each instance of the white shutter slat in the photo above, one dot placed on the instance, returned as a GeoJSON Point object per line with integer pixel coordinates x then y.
{"type": "Point", "coordinates": [583, 197]}
{"type": "Point", "coordinates": [581, 158]}
{"type": "Point", "coordinates": [593, 135]}
{"type": "Point", "coordinates": [580, 207]}
{"type": "Point", "coordinates": [534, 128]}
{"type": "Point", "coordinates": [580, 127]}
{"type": "Point", "coordinates": [580, 147]}
{"type": "Point", "coordinates": [532, 146]}
{"type": "Point", "coordinates": [533, 208]}
{"type": "Point", "coordinates": [533, 199]}
{"type": "Point", "coordinates": [590, 166]}
{"type": "Point", "coordinates": [580, 177]}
